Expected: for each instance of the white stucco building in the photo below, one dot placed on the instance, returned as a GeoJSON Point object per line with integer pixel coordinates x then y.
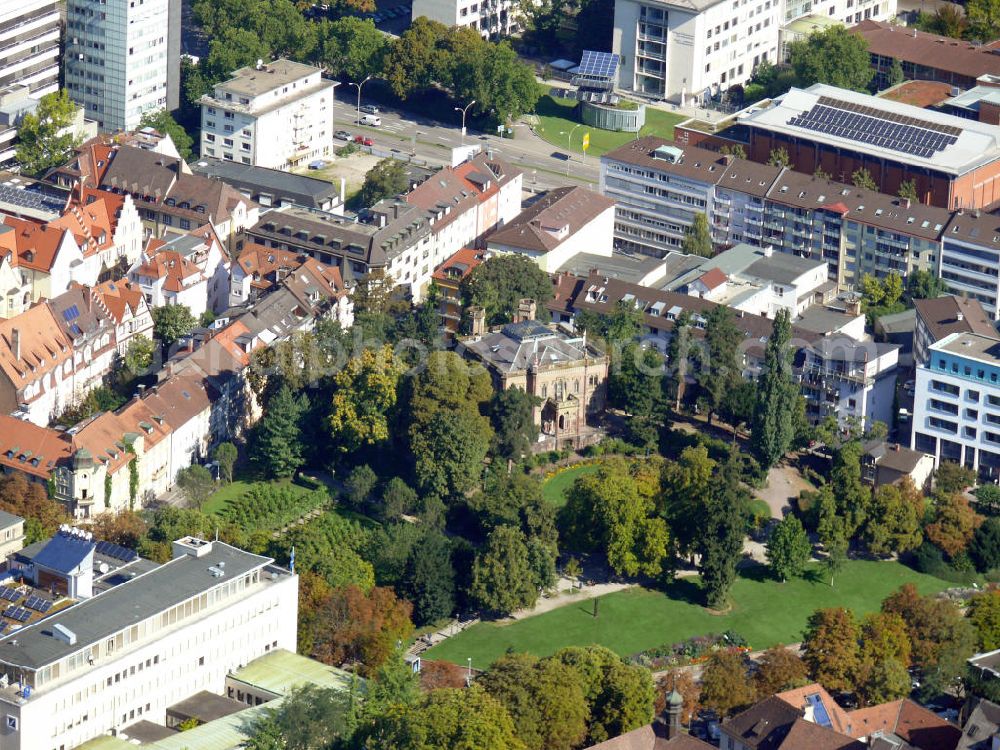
{"type": "Point", "coordinates": [133, 649]}
{"type": "Point", "coordinates": [678, 49]}
{"type": "Point", "coordinates": [491, 18]}
{"type": "Point", "coordinates": [956, 406]}
{"type": "Point", "coordinates": [275, 115]}
{"type": "Point", "coordinates": [122, 59]}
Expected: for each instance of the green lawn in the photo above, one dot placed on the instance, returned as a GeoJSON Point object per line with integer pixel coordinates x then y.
{"type": "Point", "coordinates": [764, 612]}
{"type": "Point", "coordinates": [556, 118]}
{"type": "Point", "coordinates": [554, 489]}
{"type": "Point", "coordinates": [219, 499]}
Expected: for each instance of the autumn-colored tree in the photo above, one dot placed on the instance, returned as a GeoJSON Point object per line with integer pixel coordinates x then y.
{"type": "Point", "coordinates": [355, 626]}
{"type": "Point", "coordinates": [984, 613]}
{"type": "Point", "coordinates": [435, 675]}
{"type": "Point", "coordinates": [30, 501]}
{"type": "Point", "coordinates": [314, 592]}
{"type": "Point", "coordinates": [894, 517]}
{"type": "Point", "coordinates": [954, 525]}
{"type": "Point", "coordinates": [930, 622]}
{"type": "Point", "coordinates": [725, 686]}
{"type": "Point", "coordinates": [365, 392]}
{"type": "Point", "coordinates": [884, 657]}
{"type": "Point", "coordinates": [684, 683]}
{"type": "Point", "coordinates": [830, 648]}
{"type": "Point", "coordinates": [779, 669]}
{"type": "Point", "coordinates": [125, 528]}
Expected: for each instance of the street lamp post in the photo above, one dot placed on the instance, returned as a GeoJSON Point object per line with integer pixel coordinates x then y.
{"type": "Point", "coordinates": [359, 85]}
{"type": "Point", "coordinates": [569, 144]}
{"type": "Point", "coordinates": [463, 110]}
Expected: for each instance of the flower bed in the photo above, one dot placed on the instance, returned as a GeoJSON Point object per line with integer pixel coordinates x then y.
{"type": "Point", "coordinates": [693, 650]}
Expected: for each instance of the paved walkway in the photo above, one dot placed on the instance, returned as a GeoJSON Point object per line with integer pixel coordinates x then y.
{"type": "Point", "coordinates": [784, 483]}
{"type": "Point", "coordinates": [564, 597]}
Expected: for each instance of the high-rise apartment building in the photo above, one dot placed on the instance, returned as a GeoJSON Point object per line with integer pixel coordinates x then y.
{"type": "Point", "coordinates": [29, 45]}
{"type": "Point", "coordinates": [29, 63]}
{"type": "Point", "coordinates": [122, 58]}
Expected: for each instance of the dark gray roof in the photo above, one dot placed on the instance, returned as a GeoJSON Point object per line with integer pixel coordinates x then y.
{"type": "Point", "coordinates": [305, 191]}
{"type": "Point", "coordinates": [764, 725]}
{"type": "Point", "coordinates": [95, 619]}
{"type": "Point", "coordinates": [205, 707]}
{"type": "Point", "coordinates": [64, 553]}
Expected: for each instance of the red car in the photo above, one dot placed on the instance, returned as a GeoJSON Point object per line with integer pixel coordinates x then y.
{"type": "Point", "coordinates": [364, 140]}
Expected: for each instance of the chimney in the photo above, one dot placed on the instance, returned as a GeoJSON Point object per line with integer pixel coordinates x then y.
{"type": "Point", "coordinates": [906, 202]}
{"type": "Point", "coordinates": [15, 343]}
{"type": "Point", "coordinates": [478, 316]}
{"type": "Point", "coordinates": [142, 390]}
{"type": "Point", "coordinates": [960, 316]}
{"type": "Point", "coordinates": [854, 306]}
{"type": "Point", "coordinates": [526, 309]}
{"type": "Point", "coordinates": [895, 447]}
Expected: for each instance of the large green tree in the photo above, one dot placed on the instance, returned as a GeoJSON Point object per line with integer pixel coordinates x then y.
{"type": "Point", "coordinates": [386, 179]}
{"type": "Point", "coordinates": [354, 48]}
{"type": "Point", "coordinates": [721, 540]}
{"type": "Point", "coordinates": [720, 367]}
{"type": "Point", "coordinates": [277, 441]}
{"type": "Point", "coordinates": [984, 549]}
{"type": "Point", "coordinates": [613, 511]}
{"type": "Point", "coordinates": [984, 613]}
{"type": "Point", "coordinates": [833, 56]}
{"type": "Point", "coordinates": [501, 575]}
{"type": "Point", "coordinates": [45, 137]}
{"type": "Point", "coordinates": [502, 281]}
{"type": "Point", "coordinates": [511, 414]}
{"type": "Point", "coordinates": [429, 579]}
{"type": "Point", "coordinates": [449, 452]}
{"type": "Point", "coordinates": [619, 696]}
{"type": "Point", "coordinates": [544, 698]}
{"type": "Point", "coordinates": [984, 19]}
{"type": "Point", "coordinates": [172, 322]}
{"type": "Point", "coordinates": [894, 519]}
{"type": "Point", "coordinates": [698, 237]}
{"type": "Point", "coordinates": [684, 485]}
{"type": "Point", "coordinates": [789, 548]}
{"type": "Point", "coordinates": [679, 354]}
{"type": "Point", "coordinates": [773, 418]}
{"type": "Point", "coordinates": [446, 719]}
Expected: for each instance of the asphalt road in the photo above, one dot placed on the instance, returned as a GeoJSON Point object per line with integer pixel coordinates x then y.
{"type": "Point", "coordinates": [544, 165]}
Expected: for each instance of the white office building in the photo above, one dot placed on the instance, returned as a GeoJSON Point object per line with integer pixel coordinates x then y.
{"type": "Point", "coordinates": [277, 115]}
{"type": "Point", "coordinates": [956, 406]}
{"type": "Point", "coordinates": [683, 49]}
{"type": "Point", "coordinates": [139, 637]}
{"type": "Point", "coordinates": [491, 18]}
{"type": "Point", "coordinates": [122, 58]}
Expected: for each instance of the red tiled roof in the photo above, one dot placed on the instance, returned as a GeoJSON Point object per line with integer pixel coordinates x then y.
{"type": "Point", "coordinates": [713, 278]}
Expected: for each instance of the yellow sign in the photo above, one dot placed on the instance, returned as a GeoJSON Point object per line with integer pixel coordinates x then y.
{"type": "Point", "coordinates": [586, 141]}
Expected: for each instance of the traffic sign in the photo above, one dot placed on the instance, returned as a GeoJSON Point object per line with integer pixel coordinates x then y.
{"type": "Point", "coordinates": [586, 141]}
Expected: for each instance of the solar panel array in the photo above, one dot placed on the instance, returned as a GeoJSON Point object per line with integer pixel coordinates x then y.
{"type": "Point", "coordinates": [38, 604]}
{"type": "Point", "coordinates": [598, 64]}
{"type": "Point", "coordinates": [110, 549]}
{"type": "Point", "coordinates": [71, 313]}
{"type": "Point", "coordinates": [9, 594]}
{"type": "Point", "coordinates": [907, 135]}
{"type": "Point", "coordinates": [30, 199]}
{"type": "Point", "coordinates": [17, 613]}
{"type": "Point", "coordinates": [597, 97]}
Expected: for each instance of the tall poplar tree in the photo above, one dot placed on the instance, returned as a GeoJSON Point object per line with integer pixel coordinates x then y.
{"type": "Point", "coordinates": [773, 419]}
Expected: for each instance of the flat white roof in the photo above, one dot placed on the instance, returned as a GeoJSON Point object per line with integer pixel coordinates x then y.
{"type": "Point", "coordinates": [975, 143]}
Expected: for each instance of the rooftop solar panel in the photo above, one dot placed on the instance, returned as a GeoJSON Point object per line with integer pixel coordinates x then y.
{"type": "Point", "coordinates": [9, 594]}
{"type": "Point", "coordinates": [819, 710]}
{"type": "Point", "coordinates": [598, 64]}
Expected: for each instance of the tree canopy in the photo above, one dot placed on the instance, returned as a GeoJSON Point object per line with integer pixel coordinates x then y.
{"type": "Point", "coordinates": [499, 283]}
{"type": "Point", "coordinates": [833, 56]}
{"type": "Point", "coordinates": [45, 137]}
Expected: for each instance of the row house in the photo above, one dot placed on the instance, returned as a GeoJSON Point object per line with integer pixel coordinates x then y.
{"type": "Point", "coordinates": [168, 278]}
{"type": "Point", "coordinates": [127, 305]}
{"type": "Point", "coordinates": [393, 236]}
{"type": "Point", "coordinates": [117, 460]}
{"type": "Point", "coordinates": [467, 202]}
{"type": "Point", "coordinates": [96, 236]}
{"type": "Point", "coordinates": [315, 289]}
{"type": "Point", "coordinates": [170, 199]}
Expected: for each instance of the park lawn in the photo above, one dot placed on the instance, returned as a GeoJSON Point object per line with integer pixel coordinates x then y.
{"type": "Point", "coordinates": [555, 488]}
{"type": "Point", "coordinates": [764, 612]}
{"type": "Point", "coordinates": [556, 118]}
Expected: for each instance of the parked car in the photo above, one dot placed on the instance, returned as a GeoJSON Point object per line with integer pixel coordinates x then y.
{"type": "Point", "coordinates": [343, 135]}
{"type": "Point", "coordinates": [364, 140]}
{"type": "Point", "coordinates": [370, 109]}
